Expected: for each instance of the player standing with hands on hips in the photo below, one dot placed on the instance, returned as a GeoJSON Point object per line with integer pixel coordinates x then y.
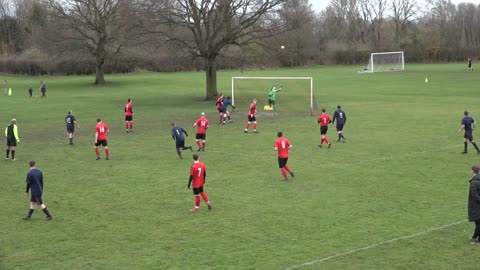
{"type": "Point", "coordinates": [468, 124]}
{"type": "Point", "coordinates": [282, 145]}
{"type": "Point", "coordinates": [101, 132]}
{"type": "Point", "coordinates": [129, 116]}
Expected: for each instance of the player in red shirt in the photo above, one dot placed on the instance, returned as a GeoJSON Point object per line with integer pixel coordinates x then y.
{"type": "Point", "coordinates": [252, 111]}
{"type": "Point", "coordinates": [282, 145]}
{"type": "Point", "coordinates": [202, 125]}
{"type": "Point", "coordinates": [101, 132]}
{"type": "Point", "coordinates": [129, 116]}
{"type": "Point", "coordinates": [198, 172]}
{"type": "Point", "coordinates": [219, 106]}
{"type": "Point", "coordinates": [324, 119]}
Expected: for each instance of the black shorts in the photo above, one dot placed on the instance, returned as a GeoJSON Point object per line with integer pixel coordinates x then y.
{"type": "Point", "coordinates": [340, 127]}
{"type": "Point", "coordinates": [252, 118]}
{"type": "Point", "coordinates": [200, 136]}
{"type": "Point", "coordinates": [102, 143]}
{"type": "Point", "coordinates": [323, 130]}
{"type": "Point", "coordinates": [11, 142]}
{"type": "Point", "coordinates": [220, 110]}
{"type": "Point", "coordinates": [70, 130]}
{"type": "Point", "coordinates": [468, 135]}
{"type": "Point", "coordinates": [271, 102]}
{"type": "Point", "coordinates": [128, 117]}
{"type": "Point", "coordinates": [179, 144]}
{"type": "Point", "coordinates": [282, 162]}
{"type": "Point", "coordinates": [197, 191]}
{"type": "Point", "coordinates": [36, 199]}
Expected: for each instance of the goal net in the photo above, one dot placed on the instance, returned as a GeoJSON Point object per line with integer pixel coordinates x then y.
{"type": "Point", "coordinates": [295, 97]}
{"type": "Point", "coordinates": [386, 61]}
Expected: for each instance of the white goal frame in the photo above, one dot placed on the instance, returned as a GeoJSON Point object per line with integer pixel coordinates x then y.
{"type": "Point", "coordinates": [370, 61]}
{"type": "Point", "coordinates": [275, 78]}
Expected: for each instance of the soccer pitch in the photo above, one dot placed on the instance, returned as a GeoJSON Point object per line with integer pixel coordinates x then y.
{"type": "Point", "coordinates": [393, 197]}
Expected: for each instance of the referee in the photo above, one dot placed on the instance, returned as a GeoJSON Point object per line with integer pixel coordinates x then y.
{"type": "Point", "coordinates": [11, 132]}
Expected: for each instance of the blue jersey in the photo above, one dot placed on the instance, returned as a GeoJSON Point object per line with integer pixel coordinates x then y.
{"type": "Point", "coordinates": [467, 122]}
{"type": "Point", "coordinates": [177, 133]}
{"type": "Point", "coordinates": [70, 120]}
{"type": "Point", "coordinates": [340, 116]}
{"type": "Point", "coordinates": [226, 102]}
{"type": "Point", "coordinates": [35, 179]}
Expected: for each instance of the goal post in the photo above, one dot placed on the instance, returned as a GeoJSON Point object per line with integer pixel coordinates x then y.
{"type": "Point", "coordinates": [296, 96]}
{"type": "Point", "coordinates": [386, 61]}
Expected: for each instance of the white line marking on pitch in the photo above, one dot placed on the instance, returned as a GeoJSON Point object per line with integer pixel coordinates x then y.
{"type": "Point", "coordinates": [349, 252]}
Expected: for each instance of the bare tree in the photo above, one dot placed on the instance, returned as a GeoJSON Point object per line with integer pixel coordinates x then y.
{"type": "Point", "coordinates": [8, 28]}
{"type": "Point", "coordinates": [403, 14]}
{"type": "Point", "coordinates": [102, 27]}
{"type": "Point", "coordinates": [203, 28]}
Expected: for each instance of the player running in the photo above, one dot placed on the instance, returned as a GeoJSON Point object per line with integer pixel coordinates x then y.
{"type": "Point", "coordinates": [129, 116]}
{"type": "Point", "coordinates": [341, 118]}
{"type": "Point", "coordinates": [177, 135]}
{"type": "Point", "coordinates": [198, 173]}
{"type": "Point", "coordinates": [219, 107]}
{"type": "Point", "coordinates": [227, 102]}
{"type": "Point", "coordinates": [324, 119]}
{"type": "Point", "coordinates": [101, 132]}
{"type": "Point", "coordinates": [468, 124]}
{"type": "Point", "coordinates": [282, 145]}
{"type": "Point", "coordinates": [202, 126]}
{"type": "Point", "coordinates": [252, 111]}
{"type": "Point", "coordinates": [71, 122]}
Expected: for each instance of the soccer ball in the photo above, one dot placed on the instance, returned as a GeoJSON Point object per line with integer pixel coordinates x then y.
{"type": "Point", "coordinates": [282, 47]}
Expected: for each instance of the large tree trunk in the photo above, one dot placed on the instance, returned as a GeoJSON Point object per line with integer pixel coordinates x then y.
{"type": "Point", "coordinates": [99, 73]}
{"type": "Point", "coordinates": [211, 76]}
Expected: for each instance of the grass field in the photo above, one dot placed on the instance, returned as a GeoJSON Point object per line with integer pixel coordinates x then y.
{"type": "Point", "coordinates": [400, 177]}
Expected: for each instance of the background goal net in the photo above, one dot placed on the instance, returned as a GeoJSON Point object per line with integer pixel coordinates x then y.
{"type": "Point", "coordinates": [386, 61]}
{"type": "Point", "coordinates": [296, 97]}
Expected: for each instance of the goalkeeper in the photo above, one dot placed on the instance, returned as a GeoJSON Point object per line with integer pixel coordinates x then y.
{"type": "Point", "coordinates": [272, 94]}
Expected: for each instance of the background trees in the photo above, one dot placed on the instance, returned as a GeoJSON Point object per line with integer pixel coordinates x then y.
{"type": "Point", "coordinates": [96, 36]}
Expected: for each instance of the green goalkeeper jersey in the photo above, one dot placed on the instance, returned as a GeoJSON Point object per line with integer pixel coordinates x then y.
{"type": "Point", "coordinates": [273, 91]}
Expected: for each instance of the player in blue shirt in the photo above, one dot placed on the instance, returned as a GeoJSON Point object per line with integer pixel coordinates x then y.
{"type": "Point", "coordinates": [341, 118]}
{"type": "Point", "coordinates": [35, 183]}
{"type": "Point", "coordinates": [468, 124]}
{"type": "Point", "coordinates": [177, 135]}
{"type": "Point", "coordinates": [71, 122]}
{"type": "Point", "coordinates": [225, 104]}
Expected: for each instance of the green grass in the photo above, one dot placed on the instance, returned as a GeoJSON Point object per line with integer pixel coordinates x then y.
{"type": "Point", "coordinates": [400, 173]}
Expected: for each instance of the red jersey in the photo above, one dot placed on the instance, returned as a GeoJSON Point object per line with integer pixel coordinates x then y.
{"type": "Point", "coordinates": [282, 145]}
{"type": "Point", "coordinates": [128, 109]}
{"type": "Point", "coordinates": [253, 109]}
{"type": "Point", "coordinates": [324, 119]}
{"type": "Point", "coordinates": [197, 171]}
{"type": "Point", "coordinates": [101, 129]}
{"type": "Point", "coordinates": [202, 125]}
{"type": "Point", "coordinates": [219, 103]}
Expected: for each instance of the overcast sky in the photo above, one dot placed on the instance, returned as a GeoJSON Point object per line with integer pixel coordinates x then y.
{"type": "Point", "coordinates": [319, 5]}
